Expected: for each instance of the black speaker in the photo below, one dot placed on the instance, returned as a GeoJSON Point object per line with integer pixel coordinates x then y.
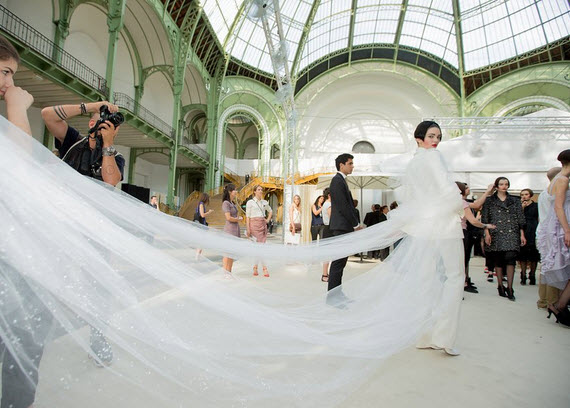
{"type": "Point", "coordinates": [141, 193]}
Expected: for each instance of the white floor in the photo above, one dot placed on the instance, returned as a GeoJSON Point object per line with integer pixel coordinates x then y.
{"type": "Point", "coordinates": [512, 356]}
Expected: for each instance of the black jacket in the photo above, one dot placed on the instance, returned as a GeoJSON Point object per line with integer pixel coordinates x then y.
{"type": "Point", "coordinates": [343, 214]}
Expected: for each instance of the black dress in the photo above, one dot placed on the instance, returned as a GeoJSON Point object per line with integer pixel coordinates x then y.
{"type": "Point", "coordinates": [529, 253]}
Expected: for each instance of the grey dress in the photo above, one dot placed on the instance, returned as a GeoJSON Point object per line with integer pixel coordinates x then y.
{"type": "Point", "coordinates": [509, 218]}
{"type": "Point", "coordinates": [231, 227]}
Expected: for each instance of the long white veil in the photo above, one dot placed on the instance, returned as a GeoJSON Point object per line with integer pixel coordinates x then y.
{"type": "Point", "coordinates": [75, 253]}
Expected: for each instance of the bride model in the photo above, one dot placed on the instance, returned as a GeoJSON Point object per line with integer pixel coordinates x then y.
{"type": "Point", "coordinates": [75, 253]}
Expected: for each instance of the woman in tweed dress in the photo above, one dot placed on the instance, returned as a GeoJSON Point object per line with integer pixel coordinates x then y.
{"type": "Point", "coordinates": [503, 243]}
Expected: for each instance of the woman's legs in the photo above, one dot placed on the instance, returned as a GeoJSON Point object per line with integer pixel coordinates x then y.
{"type": "Point", "coordinates": [532, 272]}
{"type": "Point", "coordinates": [523, 272]}
{"type": "Point", "coordinates": [564, 297]}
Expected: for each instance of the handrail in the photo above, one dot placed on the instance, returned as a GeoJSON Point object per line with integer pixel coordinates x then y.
{"type": "Point", "coordinates": [126, 102]}
{"type": "Point", "coordinates": [196, 149]}
{"type": "Point", "coordinates": [28, 35]}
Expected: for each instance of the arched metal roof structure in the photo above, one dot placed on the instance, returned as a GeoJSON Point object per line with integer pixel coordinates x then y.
{"type": "Point", "coordinates": [453, 39]}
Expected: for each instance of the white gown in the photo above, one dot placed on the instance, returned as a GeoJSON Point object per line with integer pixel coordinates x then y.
{"type": "Point", "coordinates": [74, 253]}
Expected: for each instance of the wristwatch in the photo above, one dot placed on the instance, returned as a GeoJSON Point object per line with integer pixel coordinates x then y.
{"type": "Point", "coordinates": [109, 151]}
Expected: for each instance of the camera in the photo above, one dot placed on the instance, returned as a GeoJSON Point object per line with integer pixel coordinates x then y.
{"type": "Point", "coordinates": [115, 118]}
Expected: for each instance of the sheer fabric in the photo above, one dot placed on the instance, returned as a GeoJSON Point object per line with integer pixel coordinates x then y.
{"type": "Point", "coordinates": [75, 253]}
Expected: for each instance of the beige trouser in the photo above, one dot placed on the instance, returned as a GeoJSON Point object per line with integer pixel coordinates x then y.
{"type": "Point", "coordinates": [547, 295]}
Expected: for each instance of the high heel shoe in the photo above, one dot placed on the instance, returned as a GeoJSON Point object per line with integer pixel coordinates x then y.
{"type": "Point", "coordinates": [562, 316]}
{"type": "Point", "coordinates": [501, 290]}
{"type": "Point", "coordinates": [510, 294]}
{"type": "Point", "coordinates": [265, 272]}
{"type": "Point", "coordinates": [255, 272]}
{"type": "Point", "coordinates": [523, 278]}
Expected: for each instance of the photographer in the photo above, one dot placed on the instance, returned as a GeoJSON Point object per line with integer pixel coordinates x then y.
{"type": "Point", "coordinates": [93, 156]}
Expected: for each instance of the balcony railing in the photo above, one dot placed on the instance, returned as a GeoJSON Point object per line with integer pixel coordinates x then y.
{"type": "Point", "coordinates": [128, 103]}
{"type": "Point", "coordinates": [38, 42]}
{"type": "Point", "coordinates": [195, 148]}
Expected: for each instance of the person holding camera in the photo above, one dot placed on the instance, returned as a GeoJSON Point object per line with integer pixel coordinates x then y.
{"type": "Point", "coordinates": [94, 155]}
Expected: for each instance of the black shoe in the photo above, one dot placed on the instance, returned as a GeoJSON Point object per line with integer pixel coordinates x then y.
{"type": "Point", "coordinates": [490, 277]}
{"type": "Point", "coordinates": [469, 283]}
{"type": "Point", "coordinates": [511, 294]}
{"type": "Point", "coordinates": [470, 289]}
{"type": "Point", "coordinates": [502, 291]}
{"type": "Point", "coordinates": [523, 278]}
{"type": "Point", "coordinates": [531, 279]}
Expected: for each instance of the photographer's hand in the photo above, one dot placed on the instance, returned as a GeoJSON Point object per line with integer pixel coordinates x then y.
{"type": "Point", "coordinates": [108, 133]}
{"type": "Point", "coordinates": [95, 107]}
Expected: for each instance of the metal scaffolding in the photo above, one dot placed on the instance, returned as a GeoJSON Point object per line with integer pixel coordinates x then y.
{"type": "Point", "coordinates": [268, 12]}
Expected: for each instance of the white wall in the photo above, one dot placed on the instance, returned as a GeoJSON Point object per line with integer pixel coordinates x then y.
{"type": "Point", "coordinates": [37, 13]}
{"type": "Point", "coordinates": [158, 97]}
{"type": "Point", "coordinates": [89, 38]}
{"type": "Point", "coordinates": [151, 176]}
{"type": "Point", "coordinates": [124, 75]}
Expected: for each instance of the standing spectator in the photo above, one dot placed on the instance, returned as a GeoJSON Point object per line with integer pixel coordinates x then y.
{"type": "Point", "coordinates": [547, 294]}
{"type": "Point", "coordinates": [471, 235]}
{"type": "Point", "coordinates": [293, 236]}
{"type": "Point", "coordinates": [258, 213]}
{"type": "Point", "coordinates": [344, 217]}
{"type": "Point", "coordinates": [200, 215]}
{"type": "Point", "coordinates": [554, 240]}
{"type": "Point", "coordinates": [154, 202]}
{"type": "Point", "coordinates": [370, 219]}
{"type": "Point", "coordinates": [529, 255]}
{"type": "Point", "coordinates": [317, 225]}
{"type": "Point", "coordinates": [232, 220]}
{"type": "Point", "coordinates": [504, 242]}
{"type": "Point", "coordinates": [384, 252]}
{"type": "Point", "coordinates": [326, 212]}
{"type": "Point", "coordinates": [467, 244]}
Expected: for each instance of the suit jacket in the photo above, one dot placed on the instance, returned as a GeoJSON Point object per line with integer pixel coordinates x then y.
{"type": "Point", "coordinates": [343, 214]}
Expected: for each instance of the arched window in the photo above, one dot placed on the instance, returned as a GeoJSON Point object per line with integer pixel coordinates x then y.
{"type": "Point", "coordinates": [363, 147]}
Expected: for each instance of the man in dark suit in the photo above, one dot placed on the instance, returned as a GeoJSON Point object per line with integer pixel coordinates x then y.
{"type": "Point", "coordinates": [372, 218]}
{"type": "Point", "coordinates": [344, 218]}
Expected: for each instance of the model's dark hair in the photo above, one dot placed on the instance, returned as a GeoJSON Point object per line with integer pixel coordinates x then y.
{"type": "Point", "coordinates": [529, 191]}
{"type": "Point", "coordinates": [343, 158]}
{"type": "Point", "coordinates": [462, 187]}
{"type": "Point", "coordinates": [394, 205]}
{"type": "Point", "coordinates": [227, 191]}
{"type": "Point", "coordinates": [7, 51]}
{"type": "Point", "coordinates": [498, 180]}
{"type": "Point", "coordinates": [422, 128]}
{"type": "Point", "coordinates": [564, 157]}
{"type": "Point", "coordinates": [317, 201]}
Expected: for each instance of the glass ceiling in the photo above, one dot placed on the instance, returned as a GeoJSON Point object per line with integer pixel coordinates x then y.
{"type": "Point", "coordinates": [493, 30]}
